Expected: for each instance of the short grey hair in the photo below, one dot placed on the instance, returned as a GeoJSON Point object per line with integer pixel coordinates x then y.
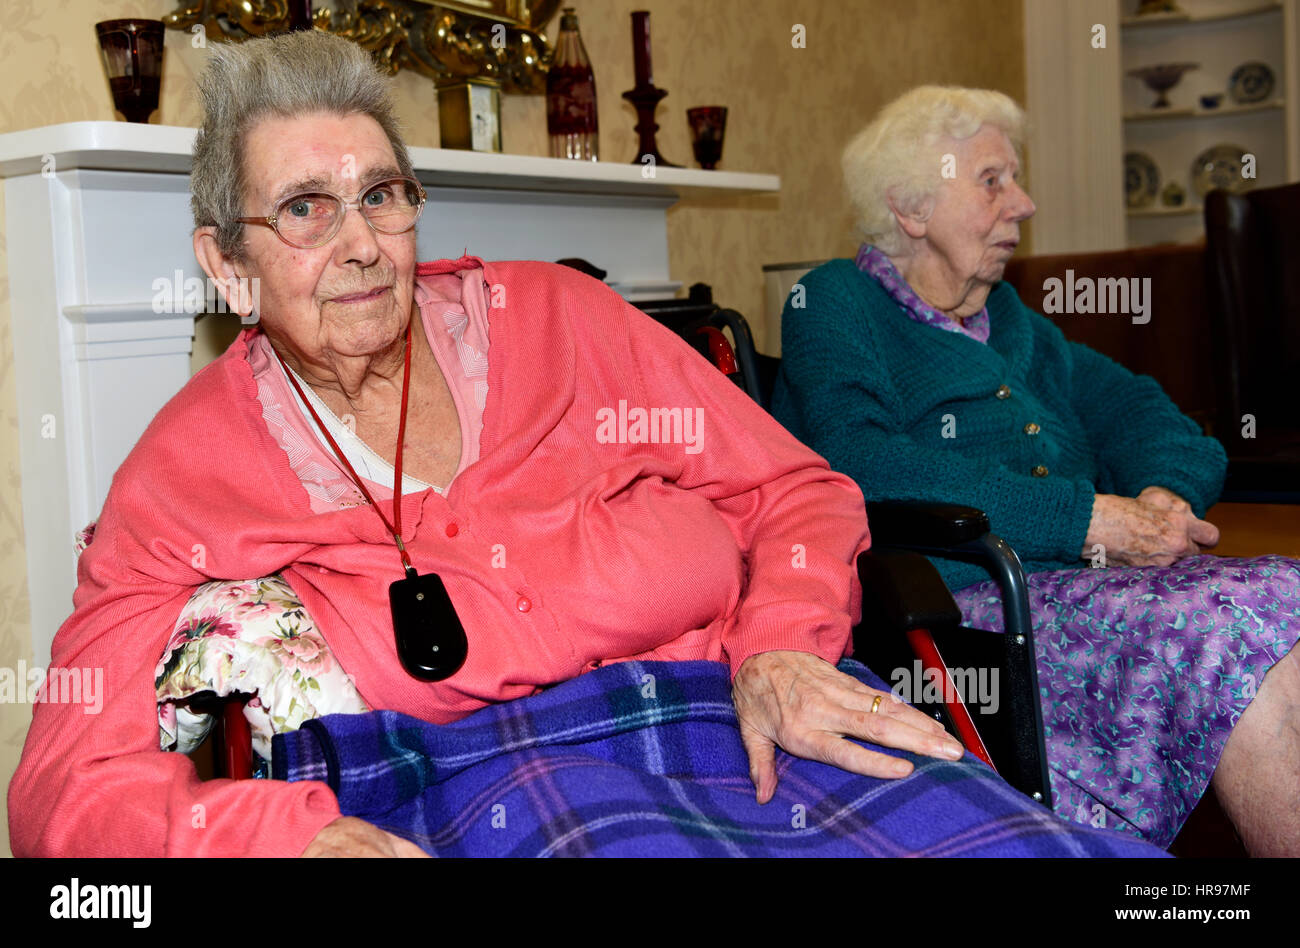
{"type": "Point", "coordinates": [897, 156]}
{"type": "Point", "coordinates": [287, 75]}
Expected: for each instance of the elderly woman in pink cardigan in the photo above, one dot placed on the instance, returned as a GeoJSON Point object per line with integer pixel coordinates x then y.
{"type": "Point", "coordinates": [415, 450]}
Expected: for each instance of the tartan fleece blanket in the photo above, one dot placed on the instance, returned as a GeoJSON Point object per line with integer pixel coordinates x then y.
{"type": "Point", "coordinates": [645, 759]}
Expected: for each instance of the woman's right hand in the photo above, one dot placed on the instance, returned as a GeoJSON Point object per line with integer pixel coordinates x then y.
{"type": "Point", "coordinates": [350, 837]}
{"type": "Point", "coordinates": [1136, 532]}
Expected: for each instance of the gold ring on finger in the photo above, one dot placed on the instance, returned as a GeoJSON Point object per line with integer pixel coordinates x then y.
{"type": "Point", "coordinates": [875, 705]}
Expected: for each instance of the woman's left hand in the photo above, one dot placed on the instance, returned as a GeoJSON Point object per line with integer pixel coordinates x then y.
{"type": "Point", "coordinates": [807, 707]}
{"type": "Point", "coordinates": [1202, 533]}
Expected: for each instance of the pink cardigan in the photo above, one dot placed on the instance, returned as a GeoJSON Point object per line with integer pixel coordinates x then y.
{"type": "Point", "coordinates": [454, 309]}
{"type": "Point", "coordinates": [560, 550]}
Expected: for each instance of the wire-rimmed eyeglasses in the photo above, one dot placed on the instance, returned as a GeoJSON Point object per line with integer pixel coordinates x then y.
{"type": "Point", "coordinates": [310, 219]}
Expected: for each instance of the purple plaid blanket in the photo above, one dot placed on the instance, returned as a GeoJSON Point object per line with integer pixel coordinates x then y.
{"type": "Point", "coordinates": [645, 759]}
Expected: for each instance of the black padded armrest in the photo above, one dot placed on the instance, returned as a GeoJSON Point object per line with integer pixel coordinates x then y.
{"type": "Point", "coordinates": [902, 591]}
{"type": "Point", "coordinates": [911, 523]}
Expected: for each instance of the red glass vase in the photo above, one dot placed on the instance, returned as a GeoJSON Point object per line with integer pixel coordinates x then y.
{"type": "Point", "coordinates": [571, 96]}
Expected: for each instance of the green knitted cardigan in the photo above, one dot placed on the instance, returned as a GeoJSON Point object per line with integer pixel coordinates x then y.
{"type": "Point", "coordinates": [913, 412]}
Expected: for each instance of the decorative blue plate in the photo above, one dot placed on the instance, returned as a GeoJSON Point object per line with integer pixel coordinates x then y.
{"type": "Point", "coordinates": [1141, 179]}
{"type": "Point", "coordinates": [1219, 169]}
{"type": "Point", "coordinates": [1250, 82]}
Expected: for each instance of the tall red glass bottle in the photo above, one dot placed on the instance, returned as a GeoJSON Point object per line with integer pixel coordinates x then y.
{"type": "Point", "coordinates": [571, 96]}
{"type": "Point", "coordinates": [300, 15]}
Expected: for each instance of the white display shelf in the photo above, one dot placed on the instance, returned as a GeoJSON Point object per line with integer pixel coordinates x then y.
{"type": "Point", "coordinates": [122, 146]}
{"type": "Point", "coordinates": [1175, 19]}
{"type": "Point", "coordinates": [1219, 35]}
{"type": "Point", "coordinates": [1086, 111]}
{"type": "Point", "coordinates": [1200, 113]}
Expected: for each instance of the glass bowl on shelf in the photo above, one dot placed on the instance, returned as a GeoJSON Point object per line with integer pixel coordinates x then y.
{"type": "Point", "coordinates": [1162, 77]}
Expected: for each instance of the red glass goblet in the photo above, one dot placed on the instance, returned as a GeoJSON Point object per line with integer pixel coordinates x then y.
{"type": "Point", "coordinates": [133, 51]}
{"type": "Point", "coordinates": [708, 126]}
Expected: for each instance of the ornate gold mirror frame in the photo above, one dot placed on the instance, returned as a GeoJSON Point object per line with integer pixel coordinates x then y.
{"type": "Point", "coordinates": [450, 42]}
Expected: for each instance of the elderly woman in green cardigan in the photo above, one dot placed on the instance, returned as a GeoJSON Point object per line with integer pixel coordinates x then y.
{"type": "Point", "coordinates": [916, 371]}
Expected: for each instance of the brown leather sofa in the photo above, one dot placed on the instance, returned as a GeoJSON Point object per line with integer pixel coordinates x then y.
{"type": "Point", "coordinates": [1173, 347]}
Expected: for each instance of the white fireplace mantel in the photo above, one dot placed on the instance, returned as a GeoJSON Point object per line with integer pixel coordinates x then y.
{"type": "Point", "coordinates": [96, 212]}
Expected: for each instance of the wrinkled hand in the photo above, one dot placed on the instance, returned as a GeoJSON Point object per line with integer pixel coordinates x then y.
{"type": "Point", "coordinates": [1164, 499]}
{"type": "Point", "coordinates": [806, 706]}
{"type": "Point", "coordinates": [1157, 528]}
{"type": "Point", "coordinates": [349, 837]}
{"type": "Point", "coordinates": [1201, 532]}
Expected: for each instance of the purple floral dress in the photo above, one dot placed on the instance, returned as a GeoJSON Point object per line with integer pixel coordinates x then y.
{"type": "Point", "coordinates": [1143, 671]}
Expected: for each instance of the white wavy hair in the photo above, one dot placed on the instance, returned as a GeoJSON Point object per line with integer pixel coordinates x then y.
{"type": "Point", "coordinates": [898, 154]}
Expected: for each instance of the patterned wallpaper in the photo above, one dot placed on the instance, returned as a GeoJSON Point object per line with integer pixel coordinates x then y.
{"type": "Point", "coordinates": [790, 112]}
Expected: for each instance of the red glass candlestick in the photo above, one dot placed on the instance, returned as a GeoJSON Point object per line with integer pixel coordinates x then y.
{"type": "Point", "coordinates": [645, 97]}
{"type": "Point", "coordinates": [641, 49]}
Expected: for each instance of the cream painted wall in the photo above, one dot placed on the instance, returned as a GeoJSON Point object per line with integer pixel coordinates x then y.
{"type": "Point", "coordinates": [791, 110]}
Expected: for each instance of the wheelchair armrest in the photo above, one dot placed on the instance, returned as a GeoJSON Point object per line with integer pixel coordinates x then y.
{"type": "Point", "coordinates": [902, 591]}
{"type": "Point", "coordinates": [954, 531]}
{"type": "Point", "coordinates": [903, 595]}
{"type": "Point", "coordinates": [906, 612]}
{"type": "Point", "coordinates": [746, 354]}
{"type": "Point", "coordinates": [909, 524]}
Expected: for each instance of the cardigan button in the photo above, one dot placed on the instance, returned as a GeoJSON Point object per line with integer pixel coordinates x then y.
{"type": "Point", "coordinates": [524, 604]}
{"type": "Point", "coordinates": [1040, 471]}
{"type": "Point", "coordinates": [1003, 392]}
{"type": "Point", "coordinates": [452, 529]}
{"type": "Point", "coordinates": [1032, 429]}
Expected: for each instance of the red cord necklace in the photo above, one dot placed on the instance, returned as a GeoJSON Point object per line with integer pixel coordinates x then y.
{"type": "Point", "coordinates": [431, 641]}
